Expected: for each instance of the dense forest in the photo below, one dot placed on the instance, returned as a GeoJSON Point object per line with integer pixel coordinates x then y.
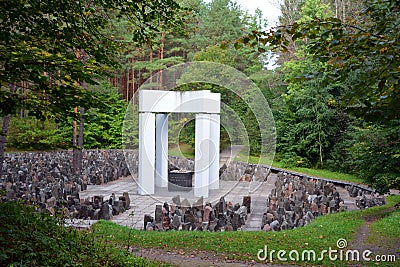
{"type": "Point", "coordinates": [333, 91]}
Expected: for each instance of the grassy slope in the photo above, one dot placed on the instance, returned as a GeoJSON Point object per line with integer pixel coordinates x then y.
{"type": "Point", "coordinates": [313, 172]}
{"type": "Point", "coordinates": [183, 150]}
{"type": "Point", "coordinates": [321, 234]}
{"type": "Point", "coordinates": [386, 231]}
{"type": "Point", "coordinates": [187, 151]}
{"type": "Point", "coordinates": [28, 238]}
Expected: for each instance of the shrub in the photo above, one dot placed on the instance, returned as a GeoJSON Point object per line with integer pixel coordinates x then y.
{"type": "Point", "coordinates": [32, 238]}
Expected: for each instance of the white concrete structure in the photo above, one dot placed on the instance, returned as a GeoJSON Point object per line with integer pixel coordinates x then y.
{"type": "Point", "coordinates": [147, 153]}
{"type": "Point", "coordinates": [162, 150]}
{"type": "Point", "coordinates": [153, 159]}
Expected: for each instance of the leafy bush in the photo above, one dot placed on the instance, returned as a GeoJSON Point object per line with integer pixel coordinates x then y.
{"type": "Point", "coordinates": [32, 134]}
{"type": "Point", "coordinates": [31, 238]}
{"type": "Point", "coordinates": [372, 152]}
{"type": "Point", "coordinates": [102, 127]}
{"type": "Point", "coordinates": [290, 159]}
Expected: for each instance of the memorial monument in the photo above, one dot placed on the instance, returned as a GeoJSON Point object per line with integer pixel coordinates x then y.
{"type": "Point", "coordinates": [154, 107]}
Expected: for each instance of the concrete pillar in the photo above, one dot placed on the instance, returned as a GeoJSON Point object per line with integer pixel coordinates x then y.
{"type": "Point", "coordinates": [162, 150]}
{"type": "Point", "coordinates": [146, 153]}
{"type": "Point", "coordinates": [214, 151]}
{"type": "Point", "coordinates": [202, 155]}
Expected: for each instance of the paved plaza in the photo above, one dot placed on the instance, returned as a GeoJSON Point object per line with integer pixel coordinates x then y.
{"type": "Point", "coordinates": [232, 191]}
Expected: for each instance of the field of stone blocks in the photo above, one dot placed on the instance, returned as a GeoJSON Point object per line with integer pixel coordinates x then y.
{"type": "Point", "coordinates": [46, 179]}
{"type": "Point", "coordinates": [181, 215]}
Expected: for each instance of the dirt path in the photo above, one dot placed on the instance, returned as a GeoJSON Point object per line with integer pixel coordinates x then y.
{"type": "Point", "coordinates": [378, 247]}
{"type": "Point", "coordinates": [196, 259]}
{"type": "Point", "coordinates": [228, 154]}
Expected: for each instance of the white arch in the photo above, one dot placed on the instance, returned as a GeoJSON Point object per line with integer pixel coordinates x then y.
{"type": "Point", "coordinates": [153, 158]}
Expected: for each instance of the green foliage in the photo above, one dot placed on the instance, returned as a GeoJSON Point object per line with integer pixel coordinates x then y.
{"type": "Point", "coordinates": [307, 123]}
{"type": "Point", "coordinates": [223, 21]}
{"type": "Point", "coordinates": [32, 238]}
{"type": "Point", "coordinates": [32, 134]}
{"type": "Point", "coordinates": [314, 9]}
{"type": "Point", "coordinates": [216, 54]}
{"type": "Point", "coordinates": [103, 128]}
{"type": "Point", "coordinates": [367, 48]}
{"type": "Point", "coordinates": [352, 64]}
{"type": "Point", "coordinates": [186, 135]}
{"type": "Point", "coordinates": [371, 152]}
{"type": "Point", "coordinates": [130, 136]}
{"type": "Point", "coordinates": [64, 42]}
{"type": "Point", "coordinates": [374, 154]}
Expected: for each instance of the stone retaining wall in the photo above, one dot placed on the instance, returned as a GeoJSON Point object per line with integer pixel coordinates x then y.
{"type": "Point", "coordinates": [242, 171]}
{"type": "Point", "coordinates": [234, 171]}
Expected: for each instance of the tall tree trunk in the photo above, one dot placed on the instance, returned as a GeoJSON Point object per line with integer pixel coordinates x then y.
{"type": "Point", "coordinates": [320, 149]}
{"type": "Point", "coordinates": [336, 8]}
{"type": "Point", "coordinates": [74, 143]}
{"type": "Point", "coordinates": [80, 139]}
{"type": "Point", "coordinates": [78, 142]}
{"type": "Point", "coordinates": [133, 81]}
{"type": "Point", "coordinates": [161, 57]}
{"type": "Point", "coordinates": [4, 132]}
{"type": "Point", "coordinates": [74, 129]}
{"type": "Point", "coordinates": [3, 139]}
{"type": "Point", "coordinates": [151, 59]}
{"type": "Point", "coordinates": [344, 10]}
{"type": "Point", "coordinates": [127, 84]}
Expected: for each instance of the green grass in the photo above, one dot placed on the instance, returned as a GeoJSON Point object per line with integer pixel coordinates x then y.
{"type": "Point", "coordinates": [312, 172]}
{"type": "Point", "coordinates": [386, 231]}
{"type": "Point", "coordinates": [29, 238]}
{"type": "Point", "coordinates": [183, 150]}
{"type": "Point", "coordinates": [240, 245]}
{"type": "Point", "coordinates": [187, 151]}
{"type": "Point", "coordinates": [321, 234]}
{"type": "Point", "coordinates": [324, 174]}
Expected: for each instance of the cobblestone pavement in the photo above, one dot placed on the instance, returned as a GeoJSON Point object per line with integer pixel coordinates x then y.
{"type": "Point", "coordinates": [231, 190]}
{"type": "Point", "coordinates": [140, 205]}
